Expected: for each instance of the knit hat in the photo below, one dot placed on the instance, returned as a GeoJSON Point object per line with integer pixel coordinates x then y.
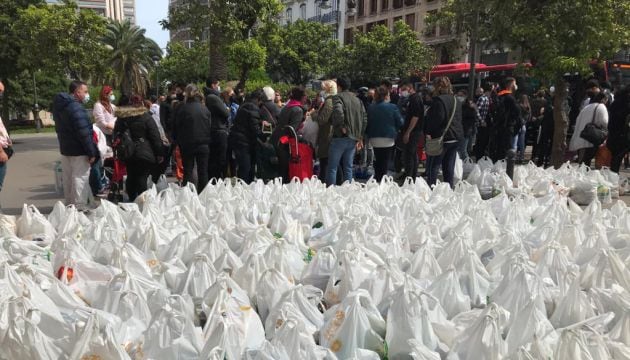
{"type": "Point", "coordinates": [269, 93]}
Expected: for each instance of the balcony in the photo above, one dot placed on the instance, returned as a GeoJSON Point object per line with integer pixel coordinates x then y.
{"type": "Point", "coordinates": [330, 18]}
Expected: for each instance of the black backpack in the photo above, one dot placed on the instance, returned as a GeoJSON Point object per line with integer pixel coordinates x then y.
{"type": "Point", "coordinates": [124, 146]}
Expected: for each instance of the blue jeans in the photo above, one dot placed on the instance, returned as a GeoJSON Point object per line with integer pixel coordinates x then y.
{"type": "Point", "coordinates": [3, 173]}
{"type": "Point", "coordinates": [446, 161]}
{"type": "Point", "coordinates": [340, 150]}
{"type": "Point", "coordinates": [518, 142]}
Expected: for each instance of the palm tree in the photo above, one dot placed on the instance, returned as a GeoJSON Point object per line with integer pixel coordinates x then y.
{"type": "Point", "coordinates": [131, 56]}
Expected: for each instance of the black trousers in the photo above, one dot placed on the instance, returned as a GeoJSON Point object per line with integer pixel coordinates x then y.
{"type": "Point", "coordinates": [217, 165]}
{"type": "Point", "coordinates": [482, 142]}
{"type": "Point", "coordinates": [283, 162]}
{"type": "Point", "coordinates": [382, 157]}
{"type": "Point", "coordinates": [160, 169]}
{"type": "Point", "coordinates": [245, 163]}
{"type": "Point", "coordinates": [196, 154]}
{"type": "Point", "coordinates": [586, 155]}
{"type": "Point", "coordinates": [617, 159]}
{"type": "Point", "coordinates": [137, 175]}
{"type": "Point", "coordinates": [410, 155]}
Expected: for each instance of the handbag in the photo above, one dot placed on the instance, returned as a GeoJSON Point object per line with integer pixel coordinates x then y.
{"type": "Point", "coordinates": [9, 151]}
{"type": "Point", "coordinates": [435, 147]}
{"type": "Point", "coordinates": [594, 133]}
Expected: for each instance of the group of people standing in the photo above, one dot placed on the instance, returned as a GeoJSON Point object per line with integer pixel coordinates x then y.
{"type": "Point", "coordinates": [214, 133]}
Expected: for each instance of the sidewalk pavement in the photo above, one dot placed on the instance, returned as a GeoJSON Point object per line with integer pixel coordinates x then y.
{"type": "Point", "coordinates": [30, 177]}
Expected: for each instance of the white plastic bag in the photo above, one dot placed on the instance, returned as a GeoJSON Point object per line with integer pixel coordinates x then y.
{"type": "Point", "coordinates": [458, 172]}
{"type": "Point", "coordinates": [32, 225]}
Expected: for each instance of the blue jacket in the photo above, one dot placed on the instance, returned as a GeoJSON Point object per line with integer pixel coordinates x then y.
{"type": "Point", "coordinates": [73, 126]}
{"type": "Point", "coordinates": [384, 120]}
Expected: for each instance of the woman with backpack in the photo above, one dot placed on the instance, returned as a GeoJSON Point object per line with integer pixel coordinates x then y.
{"type": "Point", "coordinates": [137, 143]}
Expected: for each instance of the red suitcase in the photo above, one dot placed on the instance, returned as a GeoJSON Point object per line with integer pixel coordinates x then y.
{"type": "Point", "coordinates": [300, 156]}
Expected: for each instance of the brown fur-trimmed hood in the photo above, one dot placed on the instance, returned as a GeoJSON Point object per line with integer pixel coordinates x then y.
{"type": "Point", "coordinates": [130, 111]}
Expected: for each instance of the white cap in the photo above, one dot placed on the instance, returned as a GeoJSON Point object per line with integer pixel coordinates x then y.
{"type": "Point", "coordinates": [269, 92]}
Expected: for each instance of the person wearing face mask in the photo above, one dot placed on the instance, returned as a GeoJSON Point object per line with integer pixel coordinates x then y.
{"type": "Point", "coordinates": [413, 114]}
{"type": "Point", "coordinates": [229, 100]}
{"type": "Point", "coordinates": [103, 112]}
{"type": "Point", "coordinates": [78, 150]}
{"type": "Point", "coordinates": [592, 89]}
{"type": "Point", "coordinates": [220, 121]}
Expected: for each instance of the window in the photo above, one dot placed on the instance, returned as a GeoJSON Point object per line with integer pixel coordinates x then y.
{"type": "Point", "coordinates": [398, 4]}
{"type": "Point", "coordinates": [348, 36]}
{"type": "Point", "coordinates": [410, 19]}
{"type": "Point", "coordinates": [373, 7]}
{"type": "Point", "coordinates": [446, 28]}
{"type": "Point", "coordinates": [289, 15]}
{"type": "Point", "coordinates": [430, 31]}
{"type": "Point", "coordinates": [385, 5]}
{"type": "Point", "coordinates": [361, 8]}
{"type": "Point", "coordinates": [370, 26]}
{"type": "Point", "coordinates": [318, 11]}
{"type": "Point", "coordinates": [383, 22]}
{"type": "Point", "coordinates": [397, 19]}
{"type": "Point", "coordinates": [303, 11]}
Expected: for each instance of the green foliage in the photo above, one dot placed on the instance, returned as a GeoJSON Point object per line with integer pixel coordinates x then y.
{"type": "Point", "coordinates": [301, 50]}
{"type": "Point", "coordinates": [382, 53]}
{"type": "Point", "coordinates": [131, 57]}
{"type": "Point", "coordinates": [10, 39]}
{"type": "Point", "coordinates": [22, 90]}
{"type": "Point", "coordinates": [182, 64]}
{"type": "Point", "coordinates": [246, 55]}
{"type": "Point", "coordinates": [282, 88]}
{"type": "Point", "coordinates": [224, 21]}
{"type": "Point", "coordinates": [61, 39]}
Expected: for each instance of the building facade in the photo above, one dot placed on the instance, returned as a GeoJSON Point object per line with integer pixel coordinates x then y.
{"type": "Point", "coordinates": [117, 10]}
{"type": "Point", "coordinates": [329, 12]}
{"type": "Point", "coordinates": [443, 39]}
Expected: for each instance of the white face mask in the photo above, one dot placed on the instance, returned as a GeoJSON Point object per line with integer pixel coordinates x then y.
{"type": "Point", "coordinates": [515, 87]}
{"type": "Point", "coordinates": [405, 93]}
{"type": "Point", "coordinates": [86, 99]}
{"type": "Point", "coordinates": [112, 97]}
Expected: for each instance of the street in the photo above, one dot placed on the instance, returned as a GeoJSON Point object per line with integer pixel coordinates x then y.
{"type": "Point", "coordinates": [30, 177]}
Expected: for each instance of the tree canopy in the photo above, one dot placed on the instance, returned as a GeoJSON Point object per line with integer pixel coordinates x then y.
{"type": "Point", "coordinates": [300, 51]}
{"type": "Point", "coordinates": [131, 56]}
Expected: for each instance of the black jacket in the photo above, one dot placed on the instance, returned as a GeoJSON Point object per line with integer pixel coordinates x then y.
{"type": "Point", "coordinates": [193, 124]}
{"type": "Point", "coordinates": [289, 116]}
{"type": "Point", "coordinates": [220, 113]}
{"type": "Point", "coordinates": [509, 112]}
{"type": "Point", "coordinates": [618, 126]}
{"type": "Point", "coordinates": [438, 117]}
{"type": "Point", "coordinates": [73, 127]}
{"type": "Point", "coordinates": [143, 131]}
{"type": "Point", "coordinates": [246, 127]}
{"type": "Point", "coordinates": [269, 112]}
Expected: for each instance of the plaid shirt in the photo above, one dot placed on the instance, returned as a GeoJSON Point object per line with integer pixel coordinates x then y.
{"type": "Point", "coordinates": [483, 106]}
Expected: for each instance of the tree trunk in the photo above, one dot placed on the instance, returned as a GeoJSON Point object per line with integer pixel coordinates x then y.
{"type": "Point", "coordinates": [561, 123]}
{"type": "Point", "coordinates": [243, 80]}
{"type": "Point", "coordinates": [218, 60]}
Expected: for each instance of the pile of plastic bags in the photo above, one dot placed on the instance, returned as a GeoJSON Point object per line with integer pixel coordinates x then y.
{"type": "Point", "coordinates": [581, 183]}
{"type": "Point", "coordinates": [301, 271]}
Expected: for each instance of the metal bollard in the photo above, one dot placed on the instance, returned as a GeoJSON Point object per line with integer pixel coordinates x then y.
{"type": "Point", "coordinates": [510, 157]}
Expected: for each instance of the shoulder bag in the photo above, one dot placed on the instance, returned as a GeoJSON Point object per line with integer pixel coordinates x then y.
{"type": "Point", "coordinates": [594, 133]}
{"type": "Point", "coordinates": [435, 147]}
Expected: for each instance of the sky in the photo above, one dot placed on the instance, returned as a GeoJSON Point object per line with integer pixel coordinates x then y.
{"type": "Point", "coordinates": [148, 13]}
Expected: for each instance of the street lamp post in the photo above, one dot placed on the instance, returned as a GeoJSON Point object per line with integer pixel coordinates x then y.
{"type": "Point", "coordinates": [38, 122]}
{"type": "Point", "coordinates": [156, 60]}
